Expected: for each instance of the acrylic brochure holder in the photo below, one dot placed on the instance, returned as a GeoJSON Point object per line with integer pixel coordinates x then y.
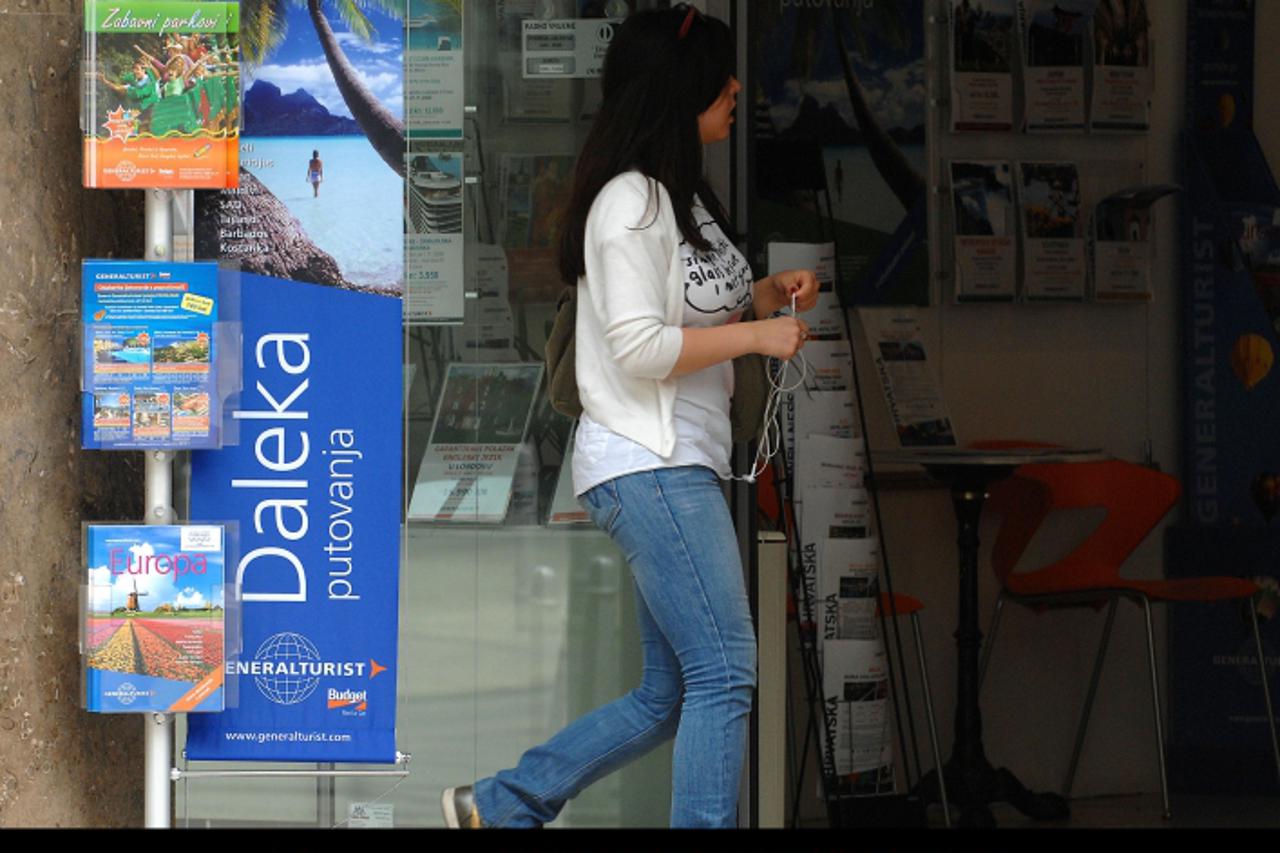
{"type": "Point", "coordinates": [160, 349]}
{"type": "Point", "coordinates": [1048, 231]}
{"type": "Point", "coordinates": [159, 623]}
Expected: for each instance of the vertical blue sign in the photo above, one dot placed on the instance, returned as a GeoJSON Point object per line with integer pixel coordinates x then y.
{"type": "Point", "coordinates": [315, 486]}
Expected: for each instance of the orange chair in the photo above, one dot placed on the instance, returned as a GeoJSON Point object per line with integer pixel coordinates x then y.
{"type": "Point", "coordinates": [1135, 498]}
{"type": "Point", "coordinates": [905, 605]}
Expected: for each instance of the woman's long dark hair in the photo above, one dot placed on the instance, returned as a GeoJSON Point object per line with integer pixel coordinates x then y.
{"type": "Point", "coordinates": [656, 84]}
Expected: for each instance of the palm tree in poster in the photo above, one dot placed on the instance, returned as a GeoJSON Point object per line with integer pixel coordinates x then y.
{"type": "Point", "coordinates": [886, 19]}
{"type": "Point", "coordinates": [263, 26]}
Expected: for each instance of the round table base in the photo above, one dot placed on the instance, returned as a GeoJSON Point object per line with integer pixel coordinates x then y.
{"type": "Point", "coordinates": [971, 792]}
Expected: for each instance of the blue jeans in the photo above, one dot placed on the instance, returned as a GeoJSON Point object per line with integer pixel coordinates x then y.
{"type": "Point", "coordinates": [699, 649]}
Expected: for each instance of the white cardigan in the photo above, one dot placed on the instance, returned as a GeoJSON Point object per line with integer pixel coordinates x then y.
{"type": "Point", "coordinates": [630, 308]}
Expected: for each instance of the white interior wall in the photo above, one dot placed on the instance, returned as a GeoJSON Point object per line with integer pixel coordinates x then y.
{"type": "Point", "coordinates": [1085, 375]}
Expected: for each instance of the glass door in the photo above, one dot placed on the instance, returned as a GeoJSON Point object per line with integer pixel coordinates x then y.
{"type": "Point", "coordinates": [517, 614]}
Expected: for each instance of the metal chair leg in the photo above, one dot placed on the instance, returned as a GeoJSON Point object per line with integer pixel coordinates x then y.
{"type": "Point", "coordinates": [1088, 702]}
{"type": "Point", "coordinates": [933, 728]}
{"type": "Point", "coordinates": [1266, 690]}
{"type": "Point", "coordinates": [991, 639]}
{"type": "Point", "coordinates": [1155, 706]}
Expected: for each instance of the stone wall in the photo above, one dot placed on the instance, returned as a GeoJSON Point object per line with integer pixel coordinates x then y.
{"type": "Point", "coordinates": [59, 766]}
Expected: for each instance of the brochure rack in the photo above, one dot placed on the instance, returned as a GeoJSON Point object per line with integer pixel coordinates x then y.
{"type": "Point", "coordinates": [842, 798]}
{"type": "Point", "coordinates": [1040, 129]}
{"type": "Point", "coordinates": [168, 216]}
{"type": "Point", "coordinates": [160, 111]}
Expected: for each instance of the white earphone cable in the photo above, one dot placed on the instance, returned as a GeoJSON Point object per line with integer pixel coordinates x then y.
{"type": "Point", "coordinates": [770, 431]}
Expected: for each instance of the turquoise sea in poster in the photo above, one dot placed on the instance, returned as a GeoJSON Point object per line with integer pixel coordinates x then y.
{"type": "Point", "coordinates": [367, 240]}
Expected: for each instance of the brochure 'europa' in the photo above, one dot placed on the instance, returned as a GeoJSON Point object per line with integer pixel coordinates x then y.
{"type": "Point", "coordinates": [150, 375]}
{"type": "Point", "coordinates": [161, 94]}
{"type": "Point", "coordinates": [153, 628]}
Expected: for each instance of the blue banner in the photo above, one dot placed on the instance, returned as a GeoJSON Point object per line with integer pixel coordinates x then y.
{"type": "Point", "coordinates": [1218, 739]}
{"type": "Point", "coordinates": [315, 486]}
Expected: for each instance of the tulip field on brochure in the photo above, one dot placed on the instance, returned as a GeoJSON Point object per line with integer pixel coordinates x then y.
{"type": "Point", "coordinates": [181, 650]}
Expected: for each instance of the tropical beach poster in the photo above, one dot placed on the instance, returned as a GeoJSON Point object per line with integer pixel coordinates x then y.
{"type": "Point", "coordinates": [323, 148]}
{"type": "Point", "coordinates": [838, 125]}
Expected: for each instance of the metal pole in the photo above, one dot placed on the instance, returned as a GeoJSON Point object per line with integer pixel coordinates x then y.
{"type": "Point", "coordinates": [159, 510]}
{"type": "Point", "coordinates": [159, 225]}
{"type": "Point", "coordinates": [159, 758]}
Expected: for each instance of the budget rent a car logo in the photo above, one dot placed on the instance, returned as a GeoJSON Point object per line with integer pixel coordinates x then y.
{"type": "Point", "coordinates": [287, 669]}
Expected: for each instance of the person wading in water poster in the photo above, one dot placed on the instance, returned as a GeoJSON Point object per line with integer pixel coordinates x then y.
{"type": "Point", "coordinates": [315, 173]}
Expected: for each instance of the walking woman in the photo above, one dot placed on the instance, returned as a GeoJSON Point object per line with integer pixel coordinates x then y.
{"type": "Point", "coordinates": [661, 294]}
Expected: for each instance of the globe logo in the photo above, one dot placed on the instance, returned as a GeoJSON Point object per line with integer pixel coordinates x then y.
{"type": "Point", "coordinates": [126, 693]}
{"type": "Point", "coordinates": [287, 648]}
{"type": "Point", "coordinates": [126, 171]}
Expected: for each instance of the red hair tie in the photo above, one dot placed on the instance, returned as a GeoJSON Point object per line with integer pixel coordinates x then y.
{"type": "Point", "coordinates": [688, 22]}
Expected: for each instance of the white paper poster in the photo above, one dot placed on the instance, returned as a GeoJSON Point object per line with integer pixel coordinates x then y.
{"type": "Point", "coordinates": [1122, 272]}
{"type": "Point", "coordinates": [829, 366]}
{"type": "Point", "coordinates": [806, 412]}
{"type": "Point", "coordinates": [825, 413]}
{"type": "Point", "coordinates": [474, 449]}
{"type": "Point", "coordinates": [572, 47]}
{"type": "Point", "coordinates": [371, 815]}
{"type": "Point", "coordinates": [850, 590]}
{"type": "Point", "coordinates": [983, 38]}
{"type": "Point", "coordinates": [433, 237]}
{"type": "Point", "coordinates": [523, 98]}
{"type": "Point", "coordinates": [434, 70]}
{"type": "Point", "coordinates": [488, 328]}
{"type": "Point", "coordinates": [825, 320]}
{"type": "Point", "coordinates": [985, 228]}
{"type": "Point", "coordinates": [855, 689]}
{"type": "Point", "coordinates": [1053, 247]}
{"type": "Point", "coordinates": [1054, 38]}
{"type": "Point", "coordinates": [1122, 244]}
{"type": "Point", "coordinates": [906, 377]}
{"type": "Point", "coordinates": [829, 513]}
{"type": "Point", "coordinates": [826, 461]}
{"type": "Point", "coordinates": [1122, 79]}
{"type": "Point", "coordinates": [533, 99]}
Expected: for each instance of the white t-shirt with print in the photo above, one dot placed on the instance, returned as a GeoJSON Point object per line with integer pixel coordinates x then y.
{"type": "Point", "coordinates": [717, 289]}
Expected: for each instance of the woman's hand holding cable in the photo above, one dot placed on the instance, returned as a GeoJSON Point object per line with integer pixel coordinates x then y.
{"type": "Point", "coordinates": [774, 293]}
{"type": "Point", "coordinates": [780, 337]}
